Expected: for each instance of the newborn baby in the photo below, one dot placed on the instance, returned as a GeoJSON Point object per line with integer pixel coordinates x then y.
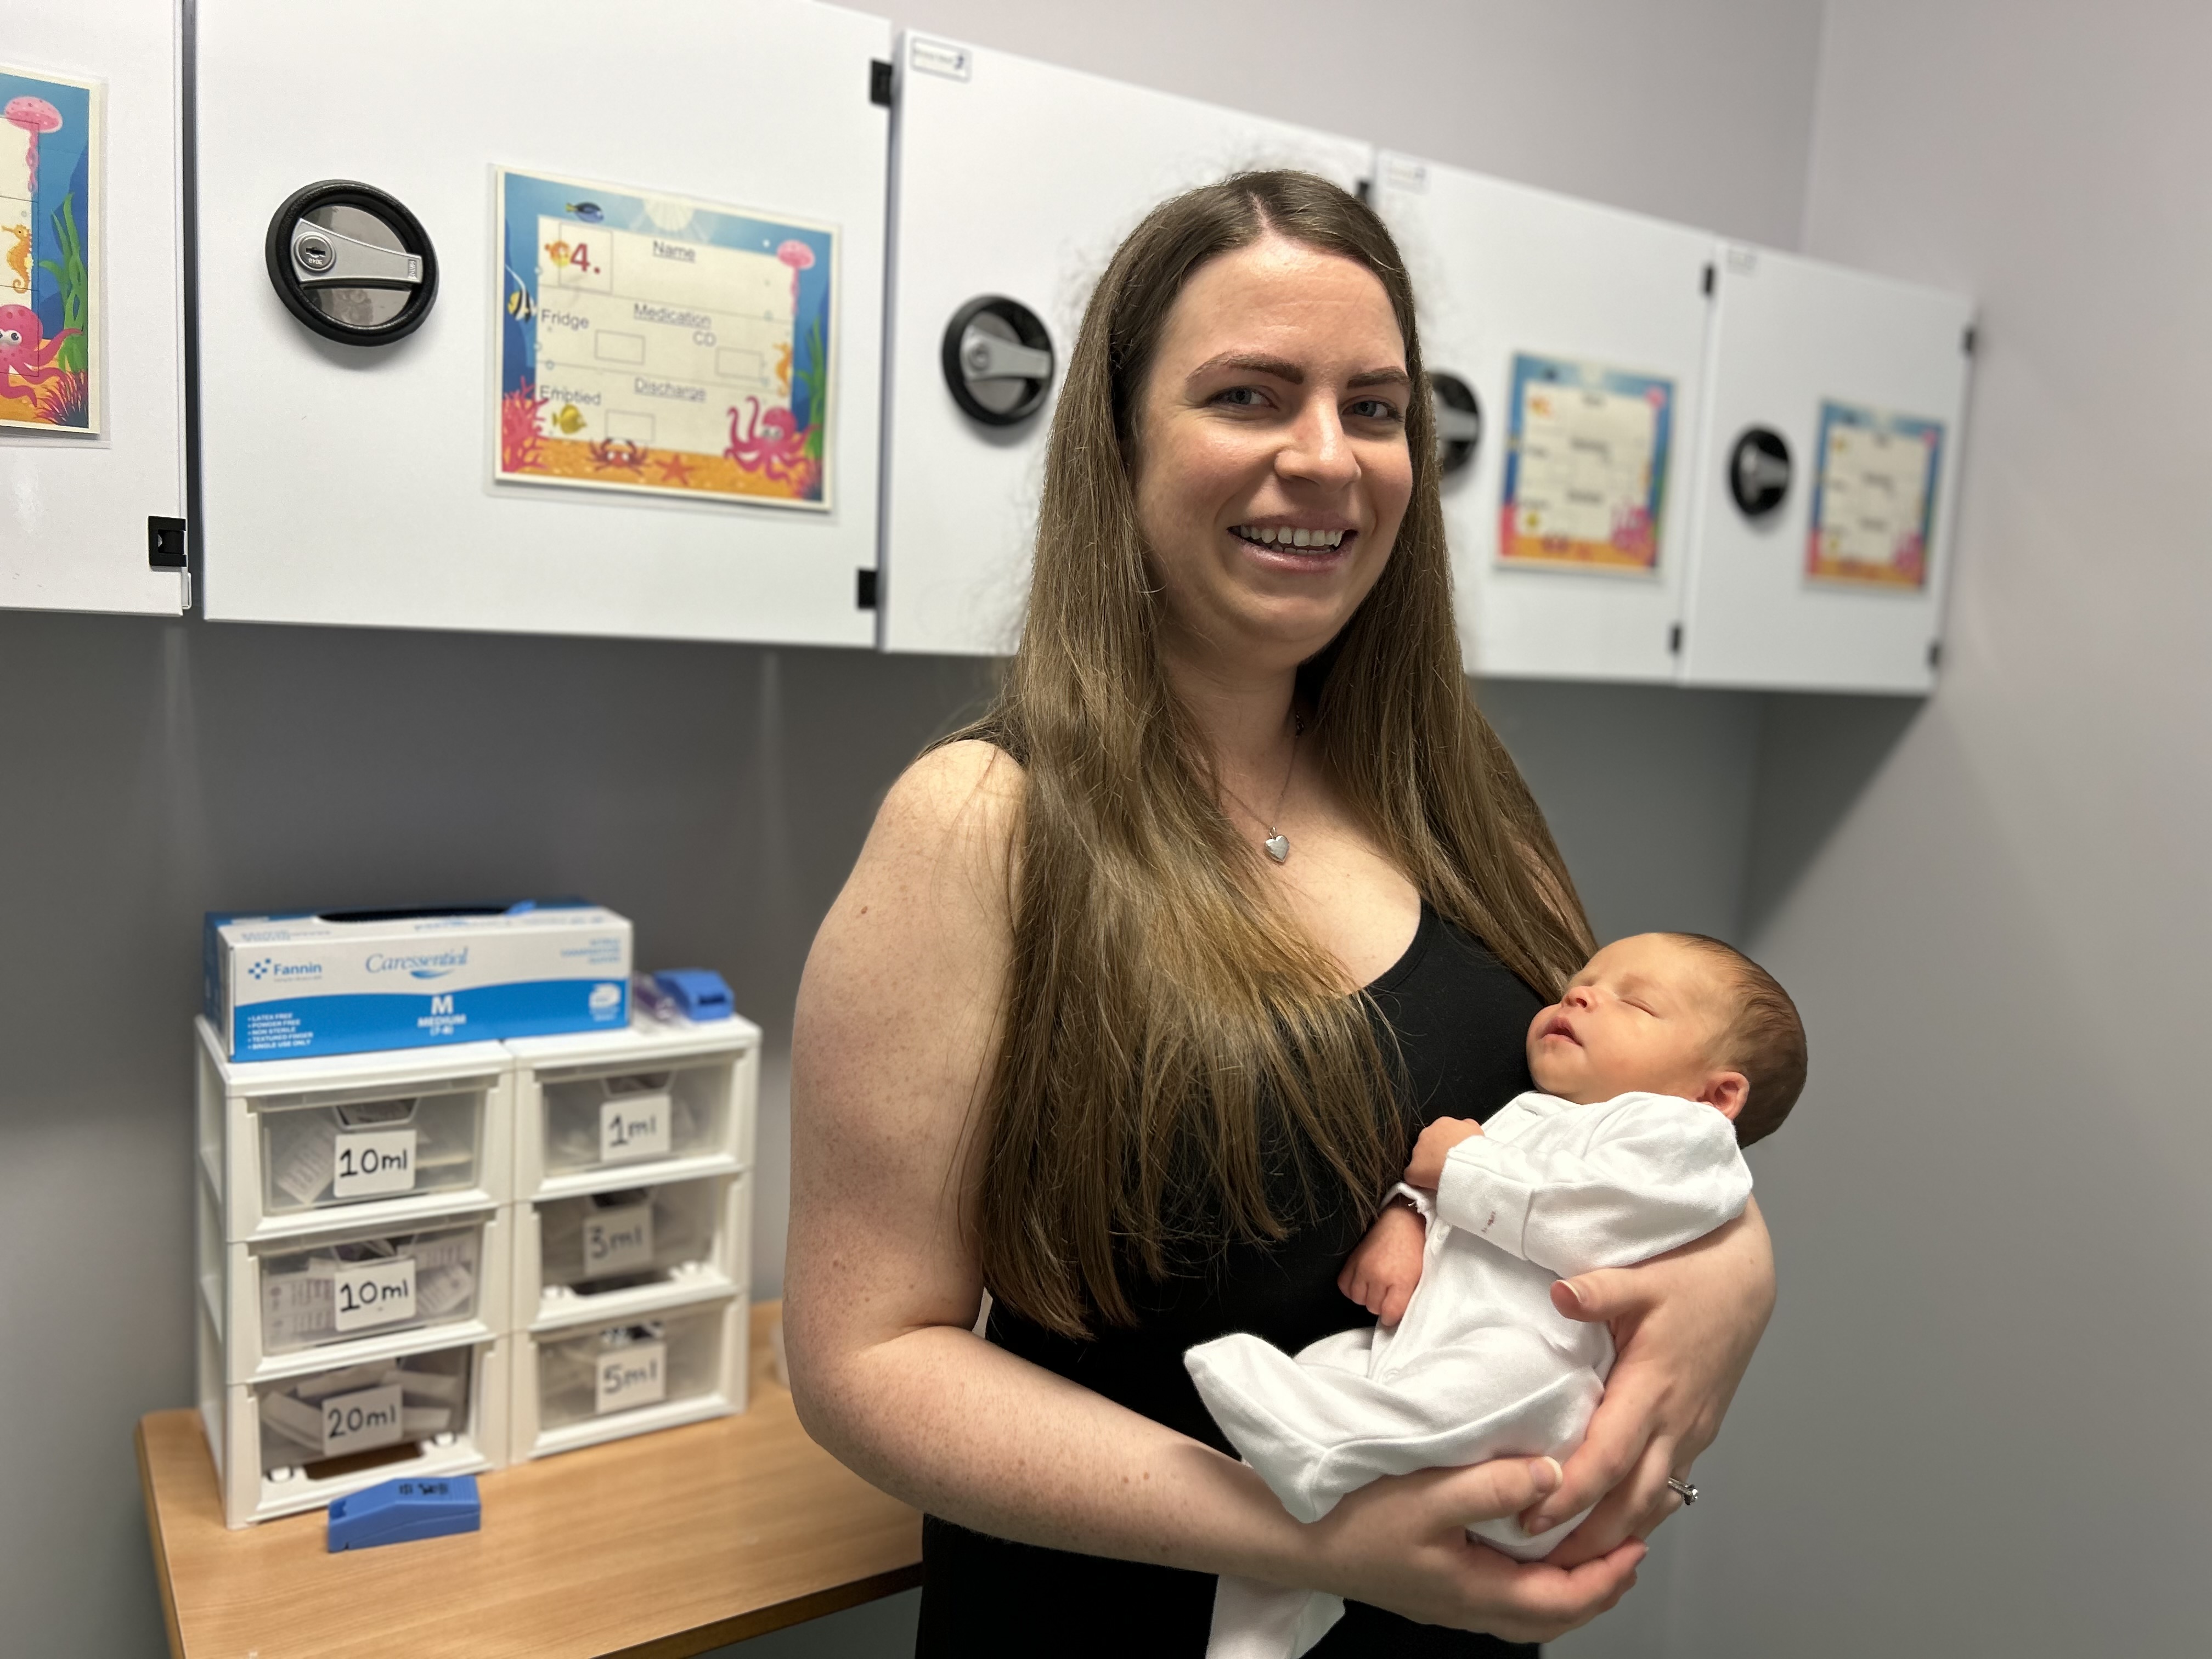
{"type": "Point", "coordinates": [1666, 1055]}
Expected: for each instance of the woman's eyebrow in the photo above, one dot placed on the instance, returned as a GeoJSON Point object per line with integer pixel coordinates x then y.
{"type": "Point", "coordinates": [1282, 368]}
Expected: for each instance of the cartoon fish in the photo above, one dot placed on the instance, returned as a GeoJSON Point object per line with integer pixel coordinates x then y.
{"type": "Point", "coordinates": [590, 210]}
{"type": "Point", "coordinates": [520, 305]}
{"type": "Point", "coordinates": [569, 419]}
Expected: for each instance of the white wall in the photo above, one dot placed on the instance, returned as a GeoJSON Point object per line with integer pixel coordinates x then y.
{"type": "Point", "coordinates": [1977, 1425]}
{"type": "Point", "coordinates": [149, 771]}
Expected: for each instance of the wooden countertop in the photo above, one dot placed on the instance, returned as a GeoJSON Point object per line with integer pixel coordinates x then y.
{"type": "Point", "coordinates": [666, 1545]}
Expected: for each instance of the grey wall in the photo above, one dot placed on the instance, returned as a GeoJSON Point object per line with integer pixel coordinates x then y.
{"type": "Point", "coordinates": [1977, 1426]}
{"type": "Point", "coordinates": [149, 771]}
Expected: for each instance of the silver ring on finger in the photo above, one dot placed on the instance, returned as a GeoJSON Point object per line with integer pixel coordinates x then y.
{"type": "Point", "coordinates": [1683, 1490]}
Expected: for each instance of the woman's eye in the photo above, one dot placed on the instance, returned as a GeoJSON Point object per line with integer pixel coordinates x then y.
{"type": "Point", "coordinates": [1240, 397]}
{"type": "Point", "coordinates": [1374, 409]}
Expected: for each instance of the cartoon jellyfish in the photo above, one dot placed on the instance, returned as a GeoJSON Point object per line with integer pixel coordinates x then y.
{"type": "Point", "coordinates": [799, 256]}
{"type": "Point", "coordinates": [34, 116]}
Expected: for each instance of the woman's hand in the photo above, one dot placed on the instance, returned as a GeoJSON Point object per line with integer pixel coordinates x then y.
{"type": "Point", "coordinates": [1401, 1543]}
{"type": "Point", "coordinates": [1686, 1324]}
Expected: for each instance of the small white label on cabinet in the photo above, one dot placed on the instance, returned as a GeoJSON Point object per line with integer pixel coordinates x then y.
{"type": "Point", "coordinates": [634, 1375]}
{"type": "Point", "coordinates": [619, 1240]}
{"type": "Point", "coordinates": [634, 1128]}
{"type": "Point", "coordinates": [370, 1163]}
{"type": "Point", "coordinates": [940, 58]}
{"type": "Point", "coordinates": [361, 1421]}
{"type": "Point", "coordinates": [366, 1293]}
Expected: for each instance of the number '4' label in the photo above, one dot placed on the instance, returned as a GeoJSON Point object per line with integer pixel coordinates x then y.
{"type": "Point", "coordinates": [373, 1293]}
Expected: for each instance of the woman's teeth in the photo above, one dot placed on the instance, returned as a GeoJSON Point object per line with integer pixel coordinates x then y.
{"type": "Point", "coordinates": [1287, 537]}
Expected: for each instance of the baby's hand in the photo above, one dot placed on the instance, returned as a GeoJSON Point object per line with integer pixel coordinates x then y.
{"type": "Point", "coordinates": [1427, 1167]}
{"type": "Point", "coordinates": [1383, 1272]}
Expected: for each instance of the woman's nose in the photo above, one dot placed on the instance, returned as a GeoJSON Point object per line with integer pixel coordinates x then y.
{"type": "Point", "coordinates": [1318, 450]}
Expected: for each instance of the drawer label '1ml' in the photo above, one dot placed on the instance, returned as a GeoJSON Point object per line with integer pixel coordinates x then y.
{"type": "Point", "coordinates": [619, 1240]}
{"type": "Point", "coordinates": [361, 1421]}
{"type": "Point", "coordinates": [370, 1162]}
{"type": "Point", "coordinates": [636, 1126]}
{"type": "Point", "coordinates": [373, 1293]}
{"type": "Point", "coordinates": [634, 1375]}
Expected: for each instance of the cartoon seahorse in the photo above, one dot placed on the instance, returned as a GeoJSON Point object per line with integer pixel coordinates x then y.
{"type": "Point", "coordinates": [19, 256]}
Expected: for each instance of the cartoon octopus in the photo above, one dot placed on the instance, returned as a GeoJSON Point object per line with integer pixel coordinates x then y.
{"type": "Point", "coordinates": [766, 443]}
{"type": "Point", "coordinates": [25, 354]}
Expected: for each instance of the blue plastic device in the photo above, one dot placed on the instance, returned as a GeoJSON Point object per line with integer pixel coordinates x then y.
{"type": "Point", "coordinates": [699, 992]}
{"type": "Point", "coordinates": [400, 1511]}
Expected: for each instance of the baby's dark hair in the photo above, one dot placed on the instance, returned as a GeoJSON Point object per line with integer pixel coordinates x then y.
{"type": "Point", "coordinates": [1766, 1041]}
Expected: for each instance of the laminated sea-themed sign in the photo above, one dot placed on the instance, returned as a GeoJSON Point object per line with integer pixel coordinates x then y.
{"type": "Point", "coordinates": [656, 344]}
{"type": "Point", "coordinates": [1585, 466]}
{"type": "Point", "coordinates": [1874, 498]}
{"type": "Point", "coordinates": [50, 167]}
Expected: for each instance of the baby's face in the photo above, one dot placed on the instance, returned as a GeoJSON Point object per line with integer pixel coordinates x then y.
{"type": "Point", "coordinates": [1644, 1013]}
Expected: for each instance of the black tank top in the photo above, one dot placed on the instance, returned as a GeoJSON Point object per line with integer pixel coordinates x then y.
{"type": "Point", "coordinates": [1461, 1021]}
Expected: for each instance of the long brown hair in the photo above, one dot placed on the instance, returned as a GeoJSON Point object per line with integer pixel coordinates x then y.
{"type": "Point", "coordinates": [1176, 1060]}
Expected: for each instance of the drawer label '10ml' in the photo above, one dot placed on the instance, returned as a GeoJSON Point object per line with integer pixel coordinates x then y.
{"type": "Point", "coordinates": [370, 1162]}
{"type": "Point", "coordinates": [634, 1375]}
{"type": "Point", "coordinates": [373, 1293]}
{"type": "Point", "coordinates": [362, 1421]}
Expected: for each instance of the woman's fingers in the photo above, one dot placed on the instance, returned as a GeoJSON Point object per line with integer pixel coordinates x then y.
{"type": "Point", "coordinates": [1612, 1446]}
{"type": "Point", "coordinates": [1601, 1295]}
{"type": "Point", "coordinates": [1633, 1509]}
{"type": "Point", "coordinates": [1488, 1492]}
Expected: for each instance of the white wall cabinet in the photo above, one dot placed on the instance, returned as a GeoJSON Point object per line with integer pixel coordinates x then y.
{"type": "Point", "coordinates": [352, 484]}
{"type": "Point", "coordinates": [1839, 585]}
{"type": "Point", "coordinates": [1016, 179]}
{"type": "Point", "coordinates": [1581, 330]}
{"type": "Point", "coordinates": [74, 505]}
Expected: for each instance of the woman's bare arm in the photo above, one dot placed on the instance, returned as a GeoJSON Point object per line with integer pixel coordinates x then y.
{"type": "Point", "coordinates": [896, 1029]}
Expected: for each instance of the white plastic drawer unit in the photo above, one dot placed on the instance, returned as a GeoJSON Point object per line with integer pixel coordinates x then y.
{"type": "Point", "coordinates": [630, 1108]}
{"type": "Point", "coordinates": [631, 1250]}
{"type": "Point", "coordinates": [307, 1421]}
{"type": "Point", "coordinates": [390, 1134]}
{"type": "Point", "coordinates": [288, 1304]}
{"type": "Point", "coordinates": [600, 1382]}
{"type": "Point", "coordinates": [294, 1443]}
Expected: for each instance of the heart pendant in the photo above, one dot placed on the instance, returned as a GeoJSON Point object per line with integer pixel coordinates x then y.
{"type": "Point", "coordinates": [1279, 847]}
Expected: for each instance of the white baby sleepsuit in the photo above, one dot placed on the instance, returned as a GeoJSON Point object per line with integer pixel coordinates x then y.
{"type": "Point", "coordinates": [1481, 1365]}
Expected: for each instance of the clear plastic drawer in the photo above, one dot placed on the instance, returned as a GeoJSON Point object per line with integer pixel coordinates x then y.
{"type": "Point", "coordinates": [616, 1241]}
{"type": "Point", "coordinates": [606, 1370]}
{"type": "Point", "coordinates": [316, 1152]}
{"type": "Point", "coordinates": [311, 1421]}
{"type": "Point", "coordinates": [629, 1117]}
{"type": "Point", "coordinates": [334, 1288]}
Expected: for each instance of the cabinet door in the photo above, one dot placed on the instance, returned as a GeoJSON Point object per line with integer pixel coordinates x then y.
{"type": "Point", "coordinates": [419, 482]}
{"type": "Point", "coordinates": [1018, 180]}
{"type": "Point", "coordinates": [1840, 585]}
{"type": "Point", "coordinates": [92, 400]}
{"type": "Point", "coordinates": [1580, 332]}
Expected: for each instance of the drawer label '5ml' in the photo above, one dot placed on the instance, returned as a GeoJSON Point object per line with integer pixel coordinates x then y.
{"type": "Point", "coordinates": [634, 1375]}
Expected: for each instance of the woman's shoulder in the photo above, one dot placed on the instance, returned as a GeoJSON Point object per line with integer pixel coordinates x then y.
{"type": "Point", "coordinates": [971, 788]}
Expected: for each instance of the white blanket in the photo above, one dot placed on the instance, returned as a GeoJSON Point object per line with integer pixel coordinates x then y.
{"type": "Point", "coordinates": [1481, 1365]}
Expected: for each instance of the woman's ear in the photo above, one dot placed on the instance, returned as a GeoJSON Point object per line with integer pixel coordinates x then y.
{"type": "Point", "coordinates": [1725, 1092]}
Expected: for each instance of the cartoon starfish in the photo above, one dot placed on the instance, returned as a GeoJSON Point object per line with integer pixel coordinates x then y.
{"type": "Point", "coordinates": [675, 469]}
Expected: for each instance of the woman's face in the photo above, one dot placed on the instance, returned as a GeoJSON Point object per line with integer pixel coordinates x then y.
{"type": "Point", "coordinates": [1272, 470]}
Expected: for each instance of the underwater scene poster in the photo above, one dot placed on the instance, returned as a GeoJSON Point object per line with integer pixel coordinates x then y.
{"type": "Point", "coordinates": [49, 251]}
{"type": "Point", "coordinates": [652, 342]}
{"type": "Point", "coordinates": [1874, 498]}
{"type": "Point", "coordinates": [1585, 466]}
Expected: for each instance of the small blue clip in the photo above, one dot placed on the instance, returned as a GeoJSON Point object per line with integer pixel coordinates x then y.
{"type": "Point", "coordinates": [699, 992]}
{"type": "Point", "coordinates": [400, 1511]}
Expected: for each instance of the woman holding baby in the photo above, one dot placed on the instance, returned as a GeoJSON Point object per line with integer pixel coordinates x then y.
{"type": "Point", "coordinates": [1144, 987]}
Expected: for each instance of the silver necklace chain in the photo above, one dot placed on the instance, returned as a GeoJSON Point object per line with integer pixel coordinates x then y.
{"type": "Point", "coordinates": [1278, 844]}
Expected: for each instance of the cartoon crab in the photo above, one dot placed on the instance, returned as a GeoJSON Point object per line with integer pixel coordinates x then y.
{"type": "Point", "coordinates": [766, 443]}
{"type": "Point", "coordinates": [617, 454]}
{"type": "Point", "coordinates": [25, 354]}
